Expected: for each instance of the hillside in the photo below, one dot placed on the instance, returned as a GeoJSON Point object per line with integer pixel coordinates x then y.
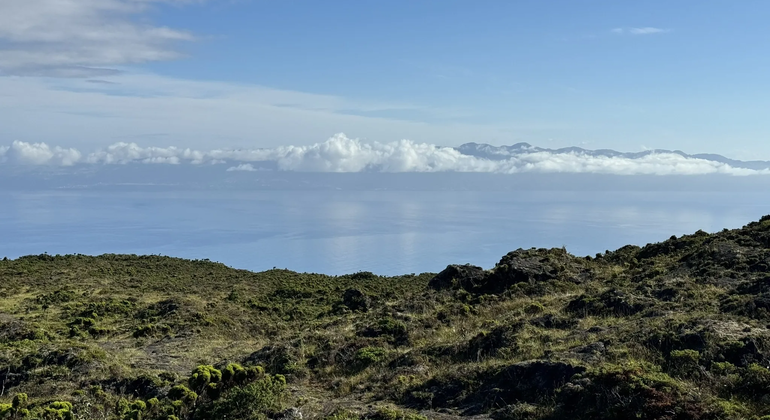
{"type": "Point", "coordinates": [673, 330]}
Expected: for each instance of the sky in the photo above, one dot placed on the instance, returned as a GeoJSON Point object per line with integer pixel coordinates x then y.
{"type": "Point", "coordinates": [227, 74]}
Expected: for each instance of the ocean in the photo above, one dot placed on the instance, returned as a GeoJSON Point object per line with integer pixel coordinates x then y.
{"type": "Point", "coordinates": [339, 232]}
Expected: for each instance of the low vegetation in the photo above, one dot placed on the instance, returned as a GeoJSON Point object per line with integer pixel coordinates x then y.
{"type": "Point", "coordinates": [672, 330]}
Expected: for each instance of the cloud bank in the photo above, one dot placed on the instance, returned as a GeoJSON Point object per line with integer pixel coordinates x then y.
{"type": "Point", "coordinates": [346, 155]}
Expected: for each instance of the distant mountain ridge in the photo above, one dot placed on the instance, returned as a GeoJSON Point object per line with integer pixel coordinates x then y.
{"type": "Point", "coordinates": [488, 151]}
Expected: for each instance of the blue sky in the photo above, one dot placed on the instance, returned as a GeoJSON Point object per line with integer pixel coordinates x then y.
{"type": "Point", "coordinates": [690, 75]}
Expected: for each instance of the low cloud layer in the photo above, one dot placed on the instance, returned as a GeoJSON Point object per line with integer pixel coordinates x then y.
{"type": "Point", "coordinates": [342, 154]}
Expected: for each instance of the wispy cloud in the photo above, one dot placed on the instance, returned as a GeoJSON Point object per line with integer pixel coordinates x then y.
{"type": "Point", "coordinates": [80, 38]}
{"type": "Point", "coordinates": [343, 154]}
{"type": "Point", "coordinates": [649, 30]}
{"type": "Point", "coordinates": [198, 113]}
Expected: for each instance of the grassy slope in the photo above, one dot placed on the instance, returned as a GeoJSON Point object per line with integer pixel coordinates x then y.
{"type": "Point", "coordinates": [673, 330]}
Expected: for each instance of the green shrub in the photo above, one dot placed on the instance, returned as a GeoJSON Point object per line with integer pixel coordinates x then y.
{"type": "Point", "coordinates": [234, 372]}
{"type": "Point", "coordinates": [138, 405]}
{"type": "Point", "coordinates": [183, 394]}
{"type": "Point", "coordinates": [135, 410]}
{"type": "Point", "coordinates": [59, 410]}
{"type": "Point", "coordinates": [342, 415]}
{"type": "Point", "coordinates": [83, 322]}
{"type": "Point", "coordinates": [151, 330]}
{"type": "Point", "coordinates": [121, 407]}
{"type": "Point", "coordinates": [368, 356]}
{"type": "Point", "coordinates": [394, 331]}
{"type": "Point", "coordinates": [20, 401]}
{"type": "Point", "coordinates": [97, 392]}
{"type": "Point", "coordinates": [684, 362]}
{"type": "Point", "coordinates": [729, 409]}
{"type": "Point", "coordinates": [633, 390]}
{"type": "Point", "coordinates": [390, 413]}
{"type": "Point", "coordinates": [251, 402]}
{"type": "Point", "coordinates": [534, 308]}
{"type": "Point", "coordinates": [204, 375]}
{"type": "Point", "coordinates": [55, 298]}
{"type": "Point", "coordinates": [723, 368]}
{"type": "Point", "coordinates": [99, 331]}
{"type": "Point", "coordinates": [754, 381]}
{"type": "Point", "coordinates": [519, 411]}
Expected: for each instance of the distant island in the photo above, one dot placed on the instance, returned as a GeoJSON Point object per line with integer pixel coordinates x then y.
{"type": "Point", "coordinates": [673, 330]}
{"type": "Point", "coordinates": [487, 151]}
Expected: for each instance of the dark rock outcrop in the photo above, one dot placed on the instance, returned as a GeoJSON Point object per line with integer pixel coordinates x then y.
{"type": "Point", "coordinates": [612, 302]}
{"type": "Point", "coordinates": [356, 300]}
{"type": "Point", "coordinates": [530, 382]}
{"type": "Point", "coordinates": [529, 266]}
{"type": "Point", "coordinates": [459, 276]}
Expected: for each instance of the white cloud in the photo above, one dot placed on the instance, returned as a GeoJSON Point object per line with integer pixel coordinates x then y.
{"type": "Point", "coordinates": [647, 31]}
{"type": "Point", "coordinates": [122, 153]}
{"type": "Point", "coordinates": [39, 154]}
{"type": "Point", "coordinates": [640, 31]}
{"type": "Point", "coordinates": [79, 38]}
{"type": "Point", "coordinates": [246, 167]}
{"type": "Point", "coordinates": [343, 154]}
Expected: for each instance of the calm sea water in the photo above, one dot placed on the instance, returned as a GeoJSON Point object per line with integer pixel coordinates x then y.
{"type": "Point", "coordinates": [344, 231]}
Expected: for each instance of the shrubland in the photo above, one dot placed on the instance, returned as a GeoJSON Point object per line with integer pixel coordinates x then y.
{"type": "Point", "coordinates": [672, 330]}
